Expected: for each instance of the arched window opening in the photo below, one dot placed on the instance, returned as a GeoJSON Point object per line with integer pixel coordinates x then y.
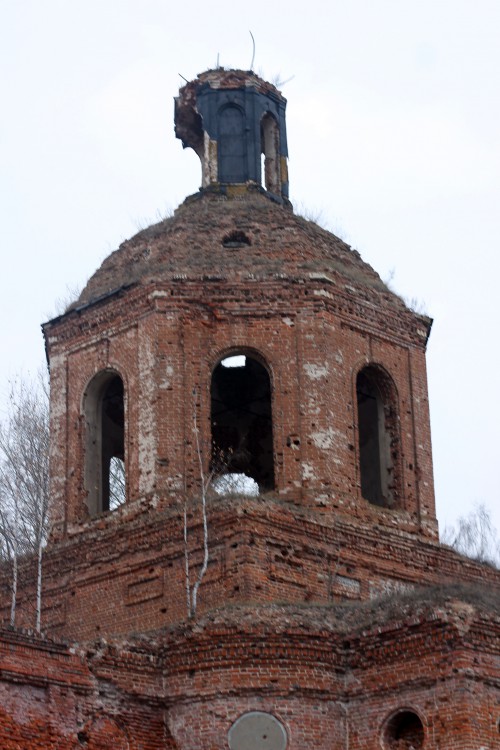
{"type": "Point", "coordinates": [232, 146]}
{"type": "Point", "coordinates": [105, 443]}
{"type": "Point", "coordinates": [404, 731]}
{"type": "Point", "coordinates": [378, 434]}
{"type": "Point", "coordinates": [242, 434]}
{"type": "Point", "coordinates": [269, 138]}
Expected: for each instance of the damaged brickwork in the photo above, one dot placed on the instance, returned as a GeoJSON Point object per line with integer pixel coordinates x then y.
{"type": "Point", "coordinates": [238, 339]}
{"type": "Point", "coordinates": [402, 673]}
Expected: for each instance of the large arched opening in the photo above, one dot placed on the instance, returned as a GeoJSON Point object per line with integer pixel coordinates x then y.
{"type": "Point", "coordinates": [104, 410]}
{"type": "Point", "coordinates": [241, 420]}
{"type": "Point", "coordinates": [378, 437]}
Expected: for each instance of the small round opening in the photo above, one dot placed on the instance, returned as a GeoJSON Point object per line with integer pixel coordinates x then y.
{"type": "Point", "coordinates": [404, 731]}
{"type": "Point", "coordinates": [236, 239]}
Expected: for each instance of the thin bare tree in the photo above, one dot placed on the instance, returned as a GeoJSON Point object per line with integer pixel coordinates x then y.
{"type": "Point", "coordinates": [24, 480]}
{"type": "Point", "coordinates": [475, 536]}
{"type": "Point", "coordinates": [205, 481]}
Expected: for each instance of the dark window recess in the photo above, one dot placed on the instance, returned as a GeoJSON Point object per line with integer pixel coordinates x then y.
{"type": "Point", "coordinates": [105, 443]}
{"type": "Point", "coordinates": [378, 432]}
{"type": "Point", "coordinates": [232, 146]}
{"type": "Point", "coordinates": [242, 431]}
{"type": "Point", "coordinates": [404, 731]}
{"type": "Point", "coordinates": [236, 239]}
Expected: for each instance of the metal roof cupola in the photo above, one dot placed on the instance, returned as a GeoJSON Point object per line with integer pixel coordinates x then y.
{"type": "Point", "coordinates": [235, 122]}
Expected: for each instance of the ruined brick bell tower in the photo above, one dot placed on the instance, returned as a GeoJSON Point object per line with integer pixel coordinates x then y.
{"type": "Point", "coordinates": [239, 411]}
{"type": "Point", "coordinates": [328, 408]}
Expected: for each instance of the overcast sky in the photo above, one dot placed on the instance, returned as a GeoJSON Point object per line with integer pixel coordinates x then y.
{"type": "Point", "coordinates": [394, 139]}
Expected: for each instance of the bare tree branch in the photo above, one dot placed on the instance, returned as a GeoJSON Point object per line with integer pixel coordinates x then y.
{"type": "Point", "coordinates": [24, 479]}
{"type": "Point", "coordinates": [475, 536]}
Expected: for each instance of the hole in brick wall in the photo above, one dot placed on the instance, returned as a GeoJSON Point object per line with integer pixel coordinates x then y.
{"type": "Point", "coordinates": [236, 239]}
{"type": "Point", "coordinates": [404, 731]}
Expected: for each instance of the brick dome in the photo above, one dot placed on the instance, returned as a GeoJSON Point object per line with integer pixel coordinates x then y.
{"type": "Point", "coordinates": [252, 238]}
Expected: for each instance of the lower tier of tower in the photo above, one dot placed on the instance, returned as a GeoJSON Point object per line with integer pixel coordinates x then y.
{"type": "Point", "coordinates": [414, 671]}
{"type": "Point", "coordinates": [121, 574]}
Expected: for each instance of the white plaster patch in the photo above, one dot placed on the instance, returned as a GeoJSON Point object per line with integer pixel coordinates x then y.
{"type": "Point", "coordinates": [147, 433]}
{"type": "Point", "coordinates": [307, 471]}
{"type": "Point", "coordinates": [320, 277]}
{"type": "Point", "coordinates": [351, 585]}
{"type": "Point", "coordinates": [313, 408]}
{"type": "Point", "coordinates": [321, 500]}
{"type": "Point", "coordinates": [59, 387]}
{"type": "Point", "coordinates": [288, 321]}
{"type": "Point", "coordinates": [384, 586]}
{"type": "Point", "coordinates": [323, 293]}
{"type": "Point", "coordinates": [323, 439]}
{"type": "Point", "coordinates": [167, 380]}
{"type": "Point", "coordinates": [57, 405]}
{"type": "Point", "coordinates": [315, 372]}
{"type": "Point", "coordinates": [158, 294]}
{"type": "Point", "coordinates": [175, 483]}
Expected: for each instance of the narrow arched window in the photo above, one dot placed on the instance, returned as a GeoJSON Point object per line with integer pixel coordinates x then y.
{"type": "Point", "coordinates": [105, 442]}
{"type": "Point", "coordinates": [269, 136]}
{"type": "Point", "coordinates": [242, 429]}
{"type": "Point", "coordinates": [378, 436]}
{"type": "Point", "coordinates": [232, 145]}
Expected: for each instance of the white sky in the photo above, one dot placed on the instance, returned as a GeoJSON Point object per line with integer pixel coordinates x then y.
{"type": "Point", "coordinates": [393, 127]}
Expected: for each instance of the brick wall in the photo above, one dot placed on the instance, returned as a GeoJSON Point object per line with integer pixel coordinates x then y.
{"type": "Point", "coordinates": [334, 677]}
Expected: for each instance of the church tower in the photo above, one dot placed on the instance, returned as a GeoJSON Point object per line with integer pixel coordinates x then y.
{"type": "Point", "coordinates": [327, 408]}
{"type": "Point", "coordinates": [242, 492]}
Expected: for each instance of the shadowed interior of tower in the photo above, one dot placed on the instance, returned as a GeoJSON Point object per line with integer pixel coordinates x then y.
{"type": "Point", "coordinates": [241, 420]}
{"type": "Point", "coordinates": [105, 442]}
